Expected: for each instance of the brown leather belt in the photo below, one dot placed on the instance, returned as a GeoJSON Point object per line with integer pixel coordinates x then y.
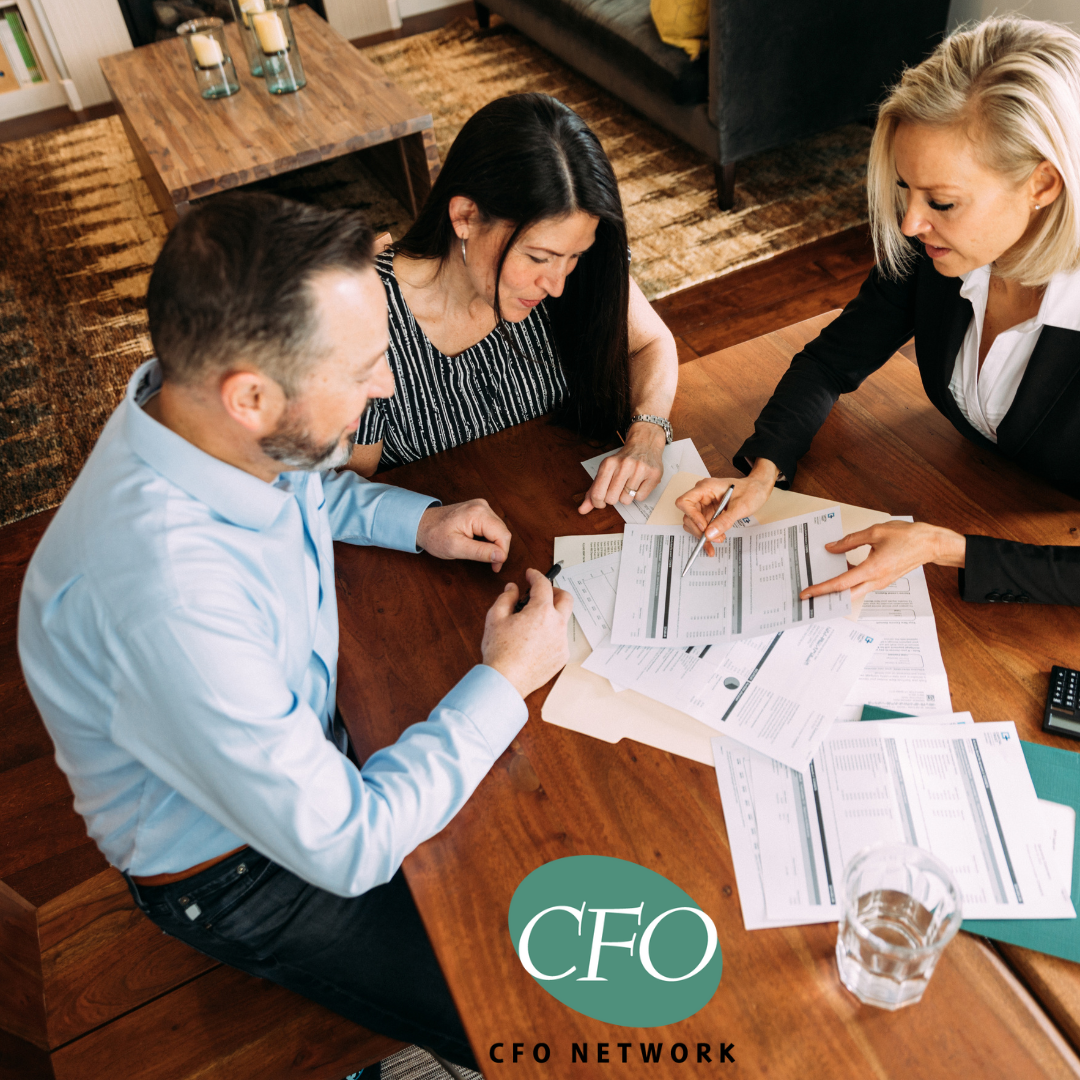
{"type": "Point", "coordinates": [182, 875]}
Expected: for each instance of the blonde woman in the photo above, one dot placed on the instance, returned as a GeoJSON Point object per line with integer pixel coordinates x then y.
{"type": "Point", "coordinates": [974, 187]}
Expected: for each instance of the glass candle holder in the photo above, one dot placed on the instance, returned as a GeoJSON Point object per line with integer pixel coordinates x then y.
{"type": "Point", "coordinates": [242, 12]}
{"type": "Point", "coordinates": [281, 64]}
{"type": "Point", "coordinates": [209, 54]}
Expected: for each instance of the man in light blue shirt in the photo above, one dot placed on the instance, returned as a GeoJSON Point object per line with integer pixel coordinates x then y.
{"type": "Point", "coordinates": [178, 626]}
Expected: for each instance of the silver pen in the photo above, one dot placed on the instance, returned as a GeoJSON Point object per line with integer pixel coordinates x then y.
{"type": "Point", "coordinates": [701, 543]}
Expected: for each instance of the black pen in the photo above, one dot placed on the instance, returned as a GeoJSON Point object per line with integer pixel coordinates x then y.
{"type": "Point", "coordinates": [551, 575]}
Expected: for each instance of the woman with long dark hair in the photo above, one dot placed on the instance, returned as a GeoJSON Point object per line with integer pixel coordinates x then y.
{"type": "Point", "coordinates": [511, 298]}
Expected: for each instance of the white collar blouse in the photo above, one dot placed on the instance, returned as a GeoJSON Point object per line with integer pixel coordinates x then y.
{"type": "Point", "coordinates": [984, 397]}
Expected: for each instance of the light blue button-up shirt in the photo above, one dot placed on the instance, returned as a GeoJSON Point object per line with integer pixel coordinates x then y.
{"type": "Point", "coordinates": [178, 632]}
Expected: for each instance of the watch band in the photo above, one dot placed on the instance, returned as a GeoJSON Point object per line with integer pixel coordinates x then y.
{"type": "Point", "coordinates": [659, 421]}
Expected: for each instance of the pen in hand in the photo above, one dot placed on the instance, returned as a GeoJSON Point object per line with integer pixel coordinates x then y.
{"type": "Point", "coordinates": [551, 575]}
{"type": "Point", "coordinates": [701, 543]}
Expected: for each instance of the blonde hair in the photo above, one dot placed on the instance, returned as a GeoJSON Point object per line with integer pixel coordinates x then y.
{"type": "Point", "coordinates": [1013, 85]}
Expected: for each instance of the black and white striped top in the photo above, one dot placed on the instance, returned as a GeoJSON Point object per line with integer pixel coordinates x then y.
{"type": "Point", "coordinates": [441, 401]}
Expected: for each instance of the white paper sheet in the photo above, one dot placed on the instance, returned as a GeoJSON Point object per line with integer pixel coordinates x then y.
{"type": "Point", "coordinates": [750, 587]}
{"type": "Point", "coordinates": [1060, 823]}
{"type": "Point", "coordinates": [962, 792]}
{"type": "Point", "coordinates": [592, 585]}
{"type": "Point", "coordinates": [906, 673]}
{"type": "Point", "coordinates": [777, 694]}
{"type": "Point", "coordinates": [679, 456]}
{"type": "Point", "coordinates": [570, 551]}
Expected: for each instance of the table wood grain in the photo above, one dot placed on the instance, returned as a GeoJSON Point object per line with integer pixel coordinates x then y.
{"type": "Point", "coordinates": [188, 148]}
{"type": "Point", "coordinates": [411, 627]}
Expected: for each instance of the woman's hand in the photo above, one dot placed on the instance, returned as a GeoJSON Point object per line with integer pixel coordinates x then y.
{"type": "Point", "coordinates": [636, 468]}
{"type": "Point", "coordinates": [896, 548]}
{"type": "Point", "coordinates": [699, 503]}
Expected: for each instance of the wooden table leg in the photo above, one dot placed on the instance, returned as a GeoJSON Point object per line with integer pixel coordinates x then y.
{"type": "Point", "coordinates": [406, 167]}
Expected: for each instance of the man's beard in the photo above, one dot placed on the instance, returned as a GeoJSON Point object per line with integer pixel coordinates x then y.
{"type": "Point", "coordinates": [293, 445]}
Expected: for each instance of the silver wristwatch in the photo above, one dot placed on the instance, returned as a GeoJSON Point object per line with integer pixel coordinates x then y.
{"type": "Point", "coordinates": [659, 421]}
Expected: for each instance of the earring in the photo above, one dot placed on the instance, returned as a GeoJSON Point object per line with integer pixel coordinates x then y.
{"type": "Point", "coordinates": [463, 258]}
{"type": "Point", "coordinates": [1038, 207]}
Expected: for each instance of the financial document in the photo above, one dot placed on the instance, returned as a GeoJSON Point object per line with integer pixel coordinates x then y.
{"type": "Point", "coordinates": [906, 673]}
{"type": "Point", "coordinates": [679, 456]}
{"type": "Point", "coordinates": [777, 694]}
{"type": "Point", "coordinates": [1059, 821]}
{"type": "Point", "coordinates": [570, 551]}
{"type": "Point", "coordinates": [592, 585]}
{"type": "Point", "coordinates": [959, 790]}
{"type": "Point", "coordinates": [750, 587]}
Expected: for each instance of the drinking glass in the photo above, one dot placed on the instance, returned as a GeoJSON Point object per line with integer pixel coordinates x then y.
{"type": "Point", "coordinates": [209, 54]}
{"type": "Point", "coordinates": [281, 64]}
{"type": "Point", "coordinates": [901, 907]}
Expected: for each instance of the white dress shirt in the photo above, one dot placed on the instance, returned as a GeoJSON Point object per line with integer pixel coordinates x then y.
{"type": "Point", "coordinates": [178, 631]}
{"type": "Point", "coordinates": [986, 396]}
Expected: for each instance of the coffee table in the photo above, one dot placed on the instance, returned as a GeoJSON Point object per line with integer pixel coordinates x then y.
{"type": "Point", "coordinates": [189, 148]}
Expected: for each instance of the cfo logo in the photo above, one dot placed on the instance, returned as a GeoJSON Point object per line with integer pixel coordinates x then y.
{"type": "Point", "coordinates": [615, 941]}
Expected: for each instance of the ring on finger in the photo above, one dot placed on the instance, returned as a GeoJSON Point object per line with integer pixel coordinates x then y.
{"type": "Point", "coordinates": [632, 492]}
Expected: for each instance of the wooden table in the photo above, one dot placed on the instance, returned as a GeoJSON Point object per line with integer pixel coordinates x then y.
{"type": "Point", "coordinates": [188, 148]}
{"type": "Point", "coordinates": [411, 627]}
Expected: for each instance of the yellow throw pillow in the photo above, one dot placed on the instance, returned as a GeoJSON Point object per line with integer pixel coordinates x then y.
{"type": "Point", "coordinates": [684, 23]}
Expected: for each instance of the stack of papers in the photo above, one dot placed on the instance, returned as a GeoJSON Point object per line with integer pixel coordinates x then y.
{"type": "Point", "coordinates": [957, 789]}
{"type": "Point", "coordinates": [730, 648]}
{"type": "Point", "coordinates": [730, 644]}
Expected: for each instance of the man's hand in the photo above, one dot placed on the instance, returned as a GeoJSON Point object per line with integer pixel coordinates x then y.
{"type": "Point", "coordinates": [700, 502]}
{"type": "Point", "coordinates": [468, 530]}
{"type": "Point", "coordinates": [896, 548]}
{"type": "Point", "coordinates": [637, 467]}
{"type": "Point", "coordinates": [528, 647]}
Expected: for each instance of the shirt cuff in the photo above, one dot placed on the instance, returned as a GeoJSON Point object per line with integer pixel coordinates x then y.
{"type": "Point", "coordinates": [397, 518]}
{"type": "Point", "coordinates": [492, 703]}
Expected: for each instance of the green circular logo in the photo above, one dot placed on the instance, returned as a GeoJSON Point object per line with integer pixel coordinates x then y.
{"type": "Point", "coordinates": [615, 941]}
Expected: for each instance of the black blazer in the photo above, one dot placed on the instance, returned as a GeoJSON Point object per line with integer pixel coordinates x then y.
{"type": "Point", "coordinates": [1041, 431]}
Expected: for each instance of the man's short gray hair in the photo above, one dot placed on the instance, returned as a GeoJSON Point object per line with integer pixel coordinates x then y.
{"type": "Point", "coordinates": [231, 286]}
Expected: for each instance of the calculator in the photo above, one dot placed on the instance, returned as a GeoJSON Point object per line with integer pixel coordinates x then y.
{"type": "Point", "coordinates": [1062, 716]}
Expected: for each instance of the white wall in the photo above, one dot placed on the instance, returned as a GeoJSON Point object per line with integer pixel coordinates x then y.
{"type": "Point", "coordinates": [418, 7]}
{"type": "Point", "coordinates": [84, 31]}
{"type": "Point", "coordinates": [1063, 11]}
{"type": "Point", "coordinates": [358, 18]}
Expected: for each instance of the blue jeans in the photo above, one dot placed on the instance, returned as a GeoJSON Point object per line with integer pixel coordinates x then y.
{"type": "Point", "coordinates": [365, 957]}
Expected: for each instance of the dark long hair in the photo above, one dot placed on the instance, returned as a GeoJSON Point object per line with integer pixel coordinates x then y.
{"type": "Point", "coordinates": [527, 158]}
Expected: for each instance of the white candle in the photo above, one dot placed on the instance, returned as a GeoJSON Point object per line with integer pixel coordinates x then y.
{"type": "Point", "coordinates": [250, 6]}
{"type": "Point", "coordinates": [207, 50]}
{"type": "Point", "coordinates": [270, 31]}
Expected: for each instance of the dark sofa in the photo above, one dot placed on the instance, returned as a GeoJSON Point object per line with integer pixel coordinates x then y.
{"type": "Point", "coordinates": [773, 72]}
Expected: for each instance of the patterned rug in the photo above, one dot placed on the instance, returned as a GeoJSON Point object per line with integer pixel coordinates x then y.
{"type": "Point", "coordinates": [79, 233]}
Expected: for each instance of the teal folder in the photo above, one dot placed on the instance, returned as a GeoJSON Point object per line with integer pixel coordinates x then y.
{"type": "Point", "coordinates": [1056, 776]}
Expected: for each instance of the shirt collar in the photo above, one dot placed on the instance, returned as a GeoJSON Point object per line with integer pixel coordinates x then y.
{"type": "Point", "coordinates": [1060, 305]}
{"type": "Point", "coordinates": [230, 492]}
{"type": "Point", "coordinates": [1061, 302]}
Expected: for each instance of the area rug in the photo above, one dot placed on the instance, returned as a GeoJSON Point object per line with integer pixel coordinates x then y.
{"type": "Point", "coordinates": [79, 233]}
